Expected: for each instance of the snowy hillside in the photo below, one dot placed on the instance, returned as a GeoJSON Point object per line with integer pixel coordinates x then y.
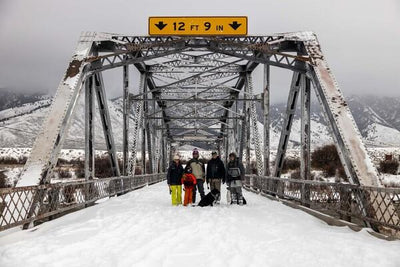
{"type": "Point", "coordinates": [20, 125]}
{"type": "Point", "coordinates": [382, 135]}
{"type": "Point", "coordinates": [10, 98]}
{"type": "Point", "coordinates": [372, 109]}
{"type": "Point", "coordinates": [376, 117]}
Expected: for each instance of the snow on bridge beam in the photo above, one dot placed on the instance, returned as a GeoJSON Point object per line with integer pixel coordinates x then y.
{"type": "Point", "coordinates": [44, 155]}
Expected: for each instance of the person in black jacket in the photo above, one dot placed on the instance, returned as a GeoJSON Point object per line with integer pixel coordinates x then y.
{"type": "Point", "coordinates": [215, 173]}
{"type": "Point", "coordinates": [174, 180]}
{"type": "Point", "coordinates": [234, 176]}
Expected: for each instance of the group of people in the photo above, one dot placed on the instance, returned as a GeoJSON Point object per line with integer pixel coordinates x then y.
{"type": "Point", "coordinates": [194, 175]}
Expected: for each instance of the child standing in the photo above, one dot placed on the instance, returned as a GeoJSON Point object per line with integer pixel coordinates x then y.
{"type": "Point", "coordinates": [189, 181]}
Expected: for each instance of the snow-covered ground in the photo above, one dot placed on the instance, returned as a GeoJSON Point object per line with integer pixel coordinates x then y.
{"type": "Point", "coordinates": [390, 180]}
{"type": "Point", "coordinates": [142, 229]}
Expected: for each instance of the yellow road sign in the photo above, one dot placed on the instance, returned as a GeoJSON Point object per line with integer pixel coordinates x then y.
{"type": "Point", "coordinates": [196, 26]}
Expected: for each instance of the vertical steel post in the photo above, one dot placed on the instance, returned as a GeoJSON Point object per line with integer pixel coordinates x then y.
{"type": "Point", "coordinates": [163, 151]}
{"type": "Point", "coordinates": [219, 147]}
{"type": "Point", "coordinates": [305, 128]}
{"type": "Point", "coordinates": [223, 143]}
{"type": "Point", "coordinates": [154, 139]}
{"type": "Point", "coordinates": [248, 134]}
{"type": "Point", "coordinates": [305, 162]}
{"type": "Point", "coordinates": [266, 101]}
{"type": "Point", "coordinates": [243, 129]}
{"type": "Point", "coordinates": [147, 131]}
{"type": "Point", "coordinates": [226, 138]}
{"type": "Point", "coordinates": [89, 134]}
{"type": "Point", "coordinates": [126, 109]}
{"type": "Point", "coordinates": [170, 151]}
{"type": "Point", "coordinates": [144, 168]}
{"type": "Point", "coordinates": [248, 142]}
{"type": "Point", "coordinates": [137, 126]}
{"type": "Point", "coordinates": [254, 127]}
{"type": "Point", "coordinates": [89, 129]}
{"type": "Point", "coordinates": [236, 129]}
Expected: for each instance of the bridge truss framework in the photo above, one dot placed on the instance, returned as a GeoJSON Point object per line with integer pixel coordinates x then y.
{"type": "Point", "coordinates": [198, 89]}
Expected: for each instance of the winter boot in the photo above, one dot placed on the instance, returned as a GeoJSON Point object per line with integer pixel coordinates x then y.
{"type": "Point", "coordinates": [228, 196]}
{"type": "Point", "coordinates": [234, 198]}
{"type": "Point", "coordinates": [240, 200]}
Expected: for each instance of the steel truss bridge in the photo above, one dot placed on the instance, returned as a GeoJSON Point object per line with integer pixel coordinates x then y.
{"type": "Point", "coordinates": [198, 89]}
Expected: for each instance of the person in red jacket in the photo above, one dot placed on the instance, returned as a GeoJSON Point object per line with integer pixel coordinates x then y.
{"type": "Point", "coordinates": [189, 181]}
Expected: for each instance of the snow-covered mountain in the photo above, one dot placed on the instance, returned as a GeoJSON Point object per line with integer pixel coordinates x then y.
{"type": "Point", "coordinates": [377, 117]}
{"type": "Point", "coordinates": [10, 98]}
{"type": "Point", "coordinates": [19, 125]}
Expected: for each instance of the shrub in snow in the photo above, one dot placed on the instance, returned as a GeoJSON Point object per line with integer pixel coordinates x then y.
{"type": "Point", "coordinates": [291, 164]}
{"type": "Point", "coordinates": [3, 180]}
{"type": "Point", "coordinates": [64, 173]}
{"type": "Point", "coordinates": [13, 161]}
{"type": "Point", "coordinates": [102, 167]}
{"type": "Point", "coordinates": [389, 166]}
{"type": "Point", "coordinates": [80, 171]}
{"type": "Point", "coordinates": [327, 159]}
{"type": "Point", "coordinates": [296, 175]}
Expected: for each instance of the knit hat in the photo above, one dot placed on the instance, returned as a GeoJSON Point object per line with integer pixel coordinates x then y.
{"type": "Point", "coordinates": [233, 154]}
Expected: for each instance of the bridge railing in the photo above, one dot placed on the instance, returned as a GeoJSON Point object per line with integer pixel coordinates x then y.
{"type": "Point", "coordinates": [359, 204]}
{"type": "Point", "coordinates": [23, 205]}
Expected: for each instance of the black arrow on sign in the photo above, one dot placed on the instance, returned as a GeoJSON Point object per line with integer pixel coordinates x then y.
{"type": "Point", "coordinates": [235, 25]}
{"type": "Point", "coordinates": [161, 25]}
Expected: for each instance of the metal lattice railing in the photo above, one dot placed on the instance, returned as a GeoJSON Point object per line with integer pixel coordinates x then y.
{"type": "Point", "coordinates": [54, 199]}
{"type": "Point", "coordinates": [359, 204]}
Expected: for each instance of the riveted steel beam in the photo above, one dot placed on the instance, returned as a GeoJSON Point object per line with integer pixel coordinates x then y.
{"type": "Point", "coordinates": [126, 108]}
{"type": "Point", "coordinates": [266, 117]}
{"type": "Point", "coordinates": [89, 128]}
{"type": "Point", "coordinates": [305, 162]}
{"type": "Point", "coordinates": [106, 122]}
{"type": "Point", "coordinates": [287, 124]}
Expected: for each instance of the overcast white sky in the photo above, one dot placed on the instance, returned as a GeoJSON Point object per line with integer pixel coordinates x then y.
{"type": "Point", "coordinates": [361, 38]}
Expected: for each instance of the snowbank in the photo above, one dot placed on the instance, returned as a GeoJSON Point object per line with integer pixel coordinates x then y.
{"type": "Point", "coordinates": [142, 229]}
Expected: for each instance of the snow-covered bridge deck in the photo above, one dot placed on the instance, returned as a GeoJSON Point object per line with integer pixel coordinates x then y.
{"type": "Point", "coordinates": [141, 228]}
